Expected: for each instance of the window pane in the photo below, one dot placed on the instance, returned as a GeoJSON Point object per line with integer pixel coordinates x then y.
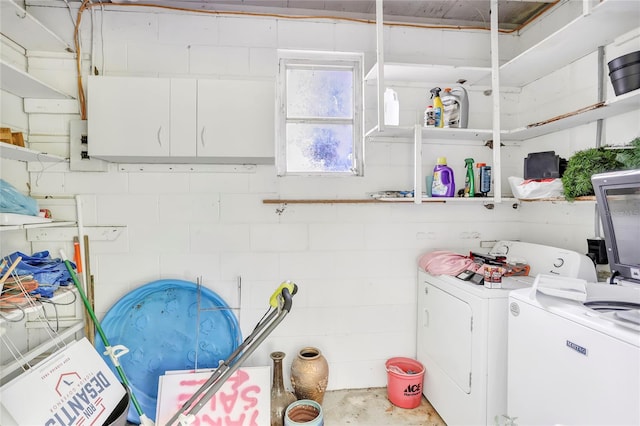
{"type": "Point", "coordinates": [319, 93]}
{"type": "Point", "coordinates": [319, 148]}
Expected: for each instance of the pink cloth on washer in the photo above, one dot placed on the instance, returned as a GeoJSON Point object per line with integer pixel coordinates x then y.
{"type": "Point", "coordinates": [446, 263]}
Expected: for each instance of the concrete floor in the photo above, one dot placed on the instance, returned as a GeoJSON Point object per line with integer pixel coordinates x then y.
{"type": "Point", "coordinates": [370, 407]}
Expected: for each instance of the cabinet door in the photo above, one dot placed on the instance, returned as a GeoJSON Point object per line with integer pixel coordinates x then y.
{"type": "Point", "coordinates": [236, 119]}
{"type": "Point", "coordinates": [183, 118]}
{"type": "Point", "coordinates": [128, 117]}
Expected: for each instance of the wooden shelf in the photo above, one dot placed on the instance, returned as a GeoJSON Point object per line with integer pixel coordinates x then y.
{"type": "Point", "coordinates": [22, 84]}
{"type": "Point", "coordinates": [28, 32]}
{"type": "Point", "coordinates": [13, 152]}
{"type": "Point", "coordinates": [403, 200]}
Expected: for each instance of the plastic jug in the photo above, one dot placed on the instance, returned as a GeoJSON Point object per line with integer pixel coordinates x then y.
{"type": "Point", "coordinates": [391, 108]}
{"type": "Point", "coordinates": [455, 107]}
{"type": "Point", "coordinates": [443, 180]}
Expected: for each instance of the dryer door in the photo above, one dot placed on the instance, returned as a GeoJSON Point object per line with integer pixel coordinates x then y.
{"type": "Point", "coordinates": [444, 334]}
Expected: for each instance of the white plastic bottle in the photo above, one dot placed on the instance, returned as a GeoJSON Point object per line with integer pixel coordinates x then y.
{"type": "Point", "coordinates": [391, 108]}
{"type": "Point", "coordinates": [456, 107]}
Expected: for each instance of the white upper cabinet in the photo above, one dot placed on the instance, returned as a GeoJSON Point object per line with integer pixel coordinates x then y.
{"type": "Point", "coordinates": [161, 120]}
{"type": "Point", "coordinates": [128, 117]}
{"type": "Point", "coordinates": [236, 118]}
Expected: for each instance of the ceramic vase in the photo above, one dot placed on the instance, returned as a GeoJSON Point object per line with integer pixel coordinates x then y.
{"type": "Point", "coordinates": [310, 374]}
{"type": "Point", "coordinates": [304, 412]}
{"type": "Point", "coordinates": [280, 397]}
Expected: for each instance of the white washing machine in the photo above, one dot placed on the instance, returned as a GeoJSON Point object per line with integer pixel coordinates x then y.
{"type": "Point", "coordinates": [574, 348]}
{"type": "Point", "coordinates": [462, 333]}
{"type": "Point", "coordinates": [570, 364]}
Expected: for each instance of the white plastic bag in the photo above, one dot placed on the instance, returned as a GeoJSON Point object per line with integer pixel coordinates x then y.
{"type": "Point", "coordinates": [536, 189]}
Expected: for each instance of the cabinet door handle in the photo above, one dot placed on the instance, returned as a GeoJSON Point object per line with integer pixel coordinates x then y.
{"type": "Point", "coordinates": [202, 136]}
{"type": "Point", "coordinates": [425, 318]}
{"type": "Point", "coordinates": [159, 138]}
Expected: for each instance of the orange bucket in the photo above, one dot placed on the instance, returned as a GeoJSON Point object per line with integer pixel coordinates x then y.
{"type": "Point", "coordinates": [404, 382]}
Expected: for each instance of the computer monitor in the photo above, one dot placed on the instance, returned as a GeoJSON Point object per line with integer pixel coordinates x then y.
{"type": "Point", "coordinates": [618, 198]}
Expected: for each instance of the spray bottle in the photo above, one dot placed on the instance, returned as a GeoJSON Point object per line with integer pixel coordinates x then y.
{"type": "Point", "coordinates": [469, 179]}
{"type": "Point", "coordinates": [438, 108]}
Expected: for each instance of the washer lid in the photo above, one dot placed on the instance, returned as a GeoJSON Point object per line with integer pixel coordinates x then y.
{"type": "Point", "coordinates": [167, 325]}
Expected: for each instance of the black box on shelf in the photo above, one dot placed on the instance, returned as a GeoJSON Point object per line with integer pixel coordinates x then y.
{"type": "Point", "coordinates": [544, 165]}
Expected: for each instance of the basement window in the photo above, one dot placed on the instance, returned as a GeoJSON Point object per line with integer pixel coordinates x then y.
{"type": "Point", "coordinates": [319, 117]}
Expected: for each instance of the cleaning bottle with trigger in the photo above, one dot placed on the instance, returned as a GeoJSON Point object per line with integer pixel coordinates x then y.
{"type": "Point", "coordinates": [469, 179]}
{"type": "Point", "coordinates": [438, 108]}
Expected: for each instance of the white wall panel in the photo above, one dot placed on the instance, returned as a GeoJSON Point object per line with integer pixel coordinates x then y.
{"type": "Point", "coordinates": [248, 32]}
{"type": "Point", "coordinates": [300, 34]}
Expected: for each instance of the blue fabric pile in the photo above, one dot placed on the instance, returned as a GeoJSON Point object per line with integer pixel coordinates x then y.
{"type": "Point", "coordinates": [48, 272]}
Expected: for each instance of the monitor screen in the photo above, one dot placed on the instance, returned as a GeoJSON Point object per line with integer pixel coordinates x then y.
{"type": "Point", "coordinates": [618, 198]}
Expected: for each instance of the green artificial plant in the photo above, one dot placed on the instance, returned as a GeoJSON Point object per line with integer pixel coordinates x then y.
{"type": "Point", "coordinates": [576, 179]}
{"type": "Point", "coordinates": [631, 157]}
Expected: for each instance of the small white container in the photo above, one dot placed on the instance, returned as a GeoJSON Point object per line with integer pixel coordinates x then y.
{"type": "Point", "coordinates": [391, 108]}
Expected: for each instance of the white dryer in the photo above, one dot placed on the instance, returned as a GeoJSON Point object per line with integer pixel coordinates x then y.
{"type": "Point", "coordinates": [462, 333]}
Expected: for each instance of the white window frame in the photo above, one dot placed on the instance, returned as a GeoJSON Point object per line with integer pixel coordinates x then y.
{"type": "Point", "coordinates": [322, 60]}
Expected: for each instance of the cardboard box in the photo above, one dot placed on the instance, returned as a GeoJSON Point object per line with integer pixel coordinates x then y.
{"type": "Point", "coordinates": [17, 139]}
{"type": "Point", "coordinates": [5, 135]}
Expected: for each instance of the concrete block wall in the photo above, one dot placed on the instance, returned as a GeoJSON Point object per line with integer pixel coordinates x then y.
{"type": "Point", "coordinates": [355, 264]}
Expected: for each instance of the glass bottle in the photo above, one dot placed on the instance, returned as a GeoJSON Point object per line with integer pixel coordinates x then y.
{"type": "Point", "coordinates": [280, 397]}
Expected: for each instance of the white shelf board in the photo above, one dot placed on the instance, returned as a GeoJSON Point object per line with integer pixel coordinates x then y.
{"type": "Point", "coordinates": [13, 152]}
{"type": "Point", "coordinates": [24, 85]}
{"type": "Point", "coordinates": [424, 73]}
{"type": "Point", "coordinates": [36, 226]}
{"type": "Point", "coordinates": [402, 132]}
{"type": "Point", "coordinates": [619, 105]}
{"type": "Point", "coordinates": [25, 30]}
{"type": "Point", "coordinates": [583, 35]}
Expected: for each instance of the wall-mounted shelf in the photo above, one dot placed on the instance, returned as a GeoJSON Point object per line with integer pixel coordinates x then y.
{"type": "Point", "coordinates": [427, 73]}
{"type": "Point", "coordinates": [28, 32]}
{"type": "Point", "coordinates": [13, 152]}
{"type": "Point", "coordinates": [619, 105]}
{"type": "Point", "coordinates": [24, 85]}
{"type": "Point", "coordinates": [406, 133]}
{"type": "Point", "coordinates": [616, 106]}
{"type": "Point", "coordinates": [604, 22]}
{"type": "Point", "coordinates": [384, 200]}
{"type": "Point", "coordinates": [36, 225]}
